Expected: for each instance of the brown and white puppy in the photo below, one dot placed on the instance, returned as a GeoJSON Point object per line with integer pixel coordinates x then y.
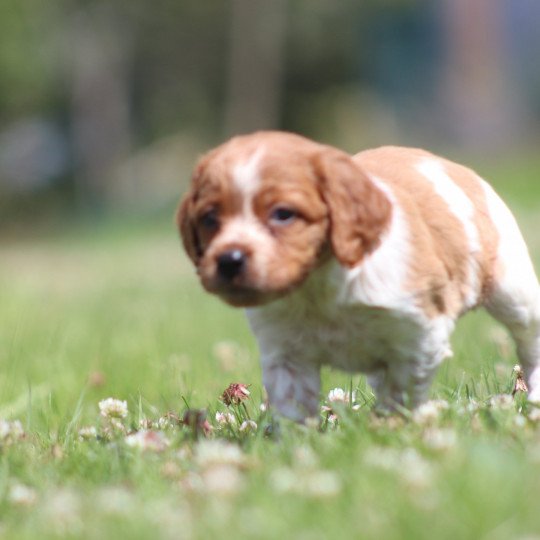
{"type": "Point", "coordinates": [363, 263]}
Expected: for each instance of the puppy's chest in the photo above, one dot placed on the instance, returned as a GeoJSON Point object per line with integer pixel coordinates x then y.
{"type": "Point", "coordinates": [352, 338]}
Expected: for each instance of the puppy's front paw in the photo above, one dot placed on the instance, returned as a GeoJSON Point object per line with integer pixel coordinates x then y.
{"type": "Point", "coordinates": [293, 390]}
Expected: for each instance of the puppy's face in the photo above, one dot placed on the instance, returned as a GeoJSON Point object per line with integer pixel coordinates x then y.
{"type": "Point", "coordinates": [258, 216]}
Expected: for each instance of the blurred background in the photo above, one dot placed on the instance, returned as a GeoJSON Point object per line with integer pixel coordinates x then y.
{"type": "Point", "coordinates": [106, 104]}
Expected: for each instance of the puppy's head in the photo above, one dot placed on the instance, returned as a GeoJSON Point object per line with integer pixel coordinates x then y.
{"type": "Point", "coordinates": [265, 209]}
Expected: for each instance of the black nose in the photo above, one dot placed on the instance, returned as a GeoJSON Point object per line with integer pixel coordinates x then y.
{"type": "Point", "coordinates": [231, 263]}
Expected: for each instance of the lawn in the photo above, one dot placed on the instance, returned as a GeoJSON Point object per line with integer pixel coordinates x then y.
{"type": "Point", "coordinates": [115, 311]}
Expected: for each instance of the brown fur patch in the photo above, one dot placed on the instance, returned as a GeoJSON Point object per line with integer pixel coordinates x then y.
{"type": "Point", "coordinates": [359, 211]}
{"type": "Point", "coordinates": [440, 264]}
{"type": "Point", "coordinates": [469, 182]}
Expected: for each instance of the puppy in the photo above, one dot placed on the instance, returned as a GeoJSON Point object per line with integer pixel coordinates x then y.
{"type": "Point", "coordinates": [363, 263]}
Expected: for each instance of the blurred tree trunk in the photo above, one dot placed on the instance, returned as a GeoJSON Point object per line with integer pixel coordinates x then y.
{"type": "Point", "coordinates": [482, 110]}
{"type": "Point", "coordinates": [255, 69]}
{"type": "Point", "coordinates": [100, 100]}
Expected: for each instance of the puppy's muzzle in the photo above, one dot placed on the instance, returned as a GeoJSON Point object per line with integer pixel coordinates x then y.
{"type": "Point", "coordinates": [231, 264]}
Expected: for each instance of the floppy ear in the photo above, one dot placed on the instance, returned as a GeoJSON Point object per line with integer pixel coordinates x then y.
{"type": "Point", "coordinates": [359, 211]}
{"type": "Point", "coordinates": [185, 219]}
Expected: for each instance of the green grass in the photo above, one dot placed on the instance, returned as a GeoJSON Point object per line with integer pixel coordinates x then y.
{"type": "Point", "coordinates": [117, 311]}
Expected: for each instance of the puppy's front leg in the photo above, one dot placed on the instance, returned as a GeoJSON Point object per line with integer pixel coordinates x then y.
{"type": "Point", "coordinates": [292, 389]}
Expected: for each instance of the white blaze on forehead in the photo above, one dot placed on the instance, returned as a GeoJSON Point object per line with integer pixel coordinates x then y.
{"type": "Point", "coordinates": [463, 209]}
{"type": "Point", "coordinates": [247, 179]}
{"type": "Point", "coordinates": [244, 229]}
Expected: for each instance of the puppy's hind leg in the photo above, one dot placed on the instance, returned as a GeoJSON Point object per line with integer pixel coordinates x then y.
{"type": "Point", "coordinates": [513, 296]}
{"type": "Point", "coordinates": [520, 313]}
{"type": "Point", "coordinates": [402, 386]}
{"type": "Point", "coordinates": [514, 300]}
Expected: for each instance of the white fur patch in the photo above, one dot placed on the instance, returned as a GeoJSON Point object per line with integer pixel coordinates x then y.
{"type": "Point", "coordinates": [245, 229]}
{"type": "Point", "coordinates": [516, 278]}
{"type": "Point", "coordinates": [247, 179]}
{"type": "Point", "coordinates": [515, 299]}
{"type": "Point", "coordinates": [379, 280]}
{"type": "Point", "coordinates": [461, 206]}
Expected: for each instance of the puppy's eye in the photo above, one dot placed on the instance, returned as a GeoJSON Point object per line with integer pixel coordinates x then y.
{"type": "Point", "coordinates": [209, 220]}
{"type": "Point", "coordinates": [282, 215]}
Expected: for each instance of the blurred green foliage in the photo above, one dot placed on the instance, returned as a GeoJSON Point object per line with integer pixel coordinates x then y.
{"type": "Point", "coordinates": [116, 90]}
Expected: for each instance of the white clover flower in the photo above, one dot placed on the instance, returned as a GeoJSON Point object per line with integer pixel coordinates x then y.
{"type": "Point", "coordinates": [520, 421]}
{"type": "Point", "coordinates": [407, 464]}
{"type": "Point", "coordinates": [534, 415]}
{"type": "Point", "coordinates": [114, 428]}
{"type": "Point", "coordinates": [219, 463]}
{"type": "Point", "coordinates": [313, 483]}
{"type": "Point", "coordinates": [305, 457]}
{"type": "Point", "coordinates": [22, 495]}
{"type": "Point", "coordinates": [87, 433]}
{"type": "Point", "coordinates": [114, 500]}
{"type": "Point", "coordinates": [338, 395]}
{"type": "Point", "coordinates": [184, 453]}
{"type": "Point", "coordinates": [171, 470]}
{"type": "Point", "coordinates": [191, 481]}
{"type": "Point", "coordinates": [117, 425]}
{"type": "Point", "coordinates": [146, 423]}
{"type": "Point", "coordinates": [165, 422]}
{"type": "Point", "coordinates": [17, 430]}
{"type": "Point", "coordinates": [472, 407]}
{"type": "Point", "coordinates": [215, 452]}
{"type": "Point", "coordinates": [222, 479]}
{"type": "Point", "coordinates": [225, 418]}
{"type": "Point", "coordinates": [283, 479]}
{"type": "Point", "coordinates": [502, 401]}
{"type": "Point", "coordinates": [248, 426]}
{"type": "Point", "coordinates": [429, 411]}
{"type": "Point", "coordinates": [62, 511]}
{"type": "Point", "coordinates": [440, 439]}
{"type": "Point", "coordinates": [263, 407]}
{"type": "Point", "coordinates": [113, 408]}
{"type": "Point", "coordinates": [323, 484]}
{"type": "Point", "coordinates": [5, 429]}
{"type": "Point", "coordinates": [332, 419]}
{"type": "Point", "coordinates": [416, 472]}
{"type": "Point", "coordinates": [148, 440]}
{"type": "Point", "coordinates": [10, 431]}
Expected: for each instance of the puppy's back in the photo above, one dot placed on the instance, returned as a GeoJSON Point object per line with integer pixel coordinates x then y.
{"type": "Point", "coordinates": [453, 236]}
